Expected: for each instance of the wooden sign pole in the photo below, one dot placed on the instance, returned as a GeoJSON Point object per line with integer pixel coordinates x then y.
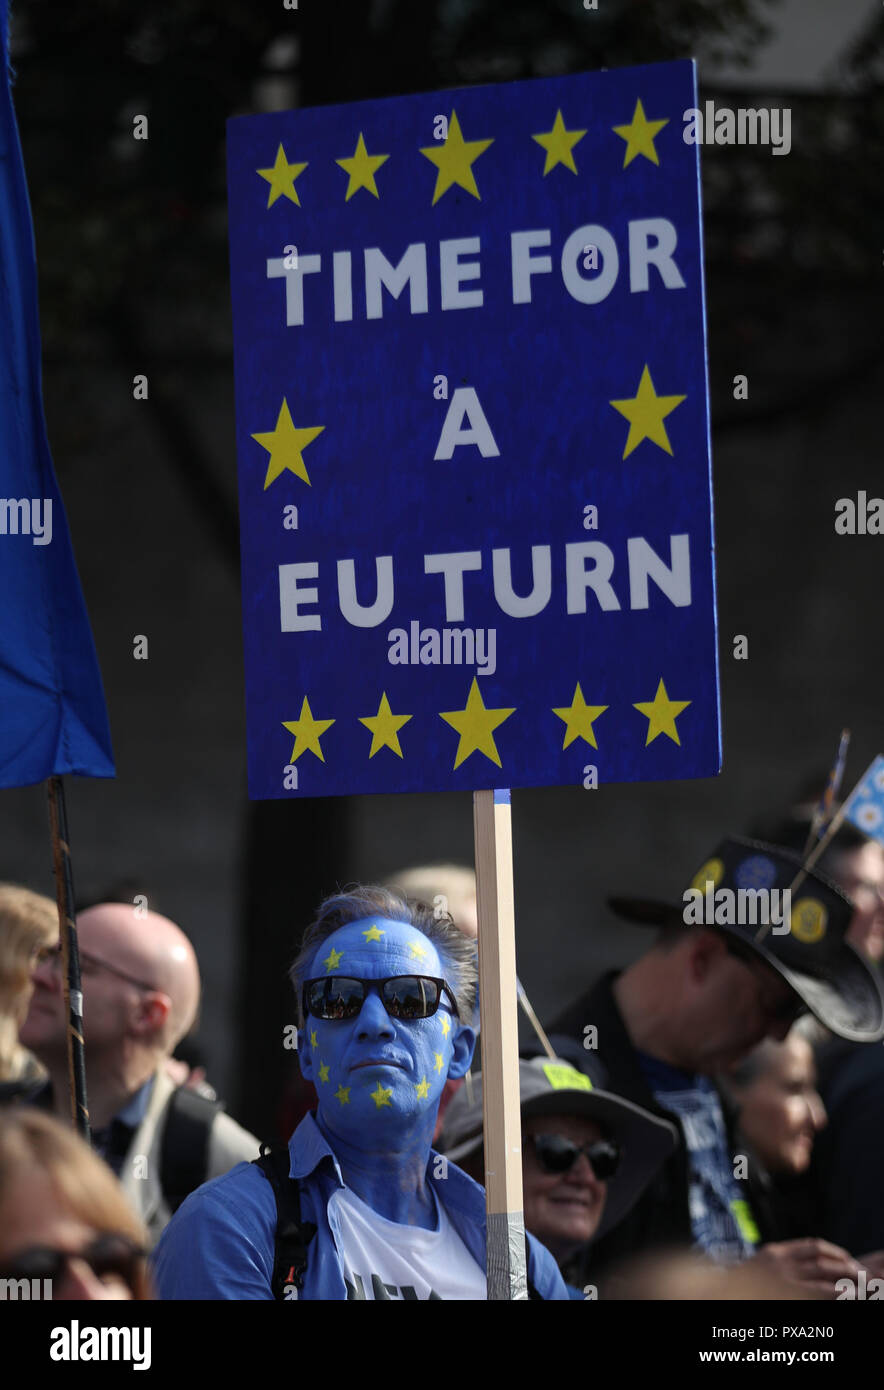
{"type": "Point", "coordinates": [506, 1256]}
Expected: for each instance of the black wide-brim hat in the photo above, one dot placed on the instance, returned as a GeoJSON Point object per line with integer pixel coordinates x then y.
{"type": "Point", "coordinates": [838, 986]}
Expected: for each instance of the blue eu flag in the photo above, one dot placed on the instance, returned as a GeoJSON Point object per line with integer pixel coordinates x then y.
{"type": "Point", "coordinates": [52, 713]}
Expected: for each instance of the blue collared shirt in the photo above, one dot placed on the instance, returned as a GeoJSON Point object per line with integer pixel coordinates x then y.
{"type": "Point", "coordinates": [112, 1142]}
{"type": "Point", "coordinates": [220, 1243]}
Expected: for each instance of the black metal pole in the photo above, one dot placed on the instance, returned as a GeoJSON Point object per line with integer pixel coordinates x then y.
{"type": "Point", "coordinates": [64, 893]}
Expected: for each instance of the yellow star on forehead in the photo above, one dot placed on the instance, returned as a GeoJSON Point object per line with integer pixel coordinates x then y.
{"type": "Point", "coordinates": [646, 412]}
{"type": "Point", "coordinates": [333, 959]}
{"type": "Point", "coordinates": [437, 1065]}
{"type": "Point", "coordinates": [422, 1088]}
{"type": "Point", "coordinates": [382, 1095]}
{"type": "Point", "coordinates": [476, 726]}
{"type": "Point", "coordinates": [373, 933]}
{"type": "Point", "coordinates": [285, 444]}
{"type": "Point", "coordinates": [558, 143]}
{"type": "Point", "coordinates": [639, 136]}
{"type": "Point", "coordinates": [384, 727]}
{"type": "Point", "coordinates": [343, 1095]}
{"type": "Point", "coordinates": [313, 1042]}
{"type": "Point", "coordinates": [361, 167]}
{"type": "Point", "coordinates": [307, 731]}
{"type": "Point", "coordinates": [454, 159]}
{"type": "Point", "coordinates": [661, 714]}
{"type": "Point", "coordinates": [282, 179]}
{"type": "Point", "coordinates": [323, 1071]}
{"type": "Point", "coordinates": [578, 718]}
{"type": "Point", "coordinates": [417, 949]}
{"type": "Point", "coordinates": [446, 1026]}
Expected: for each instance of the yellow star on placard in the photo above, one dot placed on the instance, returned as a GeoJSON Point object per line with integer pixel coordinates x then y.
{"type": "Point", "coordinates": [333, 959]}
{"type": "Point", "coordinates": [323, 1071]}
{"type": "Point", "coordinates": [476, 726]}
{"type": "Point", "coordinates": [313, 1042]}
{"type": "Point", "coordinates": [446, 1026]}
{"type": "Point", "coordinates": [382, 1096]}
{"type": "Point", "coordinates": [639, 136]}
{"type": "Point", "coordinates": [437, 1065]}
{"type": "Point", "coordinates": [384, 727]}
{"type": "Point", "coordinates": [307, 731]}
{"type": "Point", "coordinates": [284, 445]}
{"type": "Point", "coordinates": [578, 718]}
{"type": "Point", "coordinates": [282, 178]}
{"type": "Point", "coordinates": [373, 933]}
{"type": "Point", "coordinates": [646, 412]}
{"type": "Point", "coordinates": [454, 159]}
{"type": "Point", "coordinates": [361, 167]}
{"type": "Point", "coordinates": [423, 1089]}
{"type": "Point", "coordinates": [343, 1095]}
{"type": "Point", "coordinates": [558, 143]}
{"type": "Point", "coordinates": [661, 713]}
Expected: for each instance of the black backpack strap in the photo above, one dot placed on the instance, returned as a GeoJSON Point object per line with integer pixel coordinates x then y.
{"type": "Point", "coordinates": [292, 1235]}
{"type": "Point", "coordinates": [184, 1151]}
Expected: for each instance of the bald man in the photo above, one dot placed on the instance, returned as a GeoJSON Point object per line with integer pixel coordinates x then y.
{"type": "Point", "coordinates": [141, 991]}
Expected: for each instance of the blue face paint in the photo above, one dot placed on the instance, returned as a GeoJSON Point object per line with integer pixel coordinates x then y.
{"type": "Point", "coordinates": [379, 1078]}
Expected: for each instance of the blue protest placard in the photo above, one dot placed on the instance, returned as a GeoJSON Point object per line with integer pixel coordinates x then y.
{"type": "Point", "coordinates": [473, 444]}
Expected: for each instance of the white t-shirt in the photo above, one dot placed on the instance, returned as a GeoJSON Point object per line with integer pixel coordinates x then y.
{"type": "Point", "coordinates": [383, 1260]}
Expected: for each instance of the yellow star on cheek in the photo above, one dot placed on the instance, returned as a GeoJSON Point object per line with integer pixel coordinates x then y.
{"type": "Point", "coordinates": [646, 412]}
{"type": "Point", "coordinates": [307, 731]}
{"type": "Point", "coordinates": [384, 727]}
{"type": "Point", "coordinates": [661, 713]}
{"type": "Point", "coordinates": [423, 1088]}
{"type": "Point", "coordinates": [382, 1095]}
{"type": "Point", "coordinates": [639, 136]}
{"type": "Point", "coordinates": [437, 1066]}
{"type": "Point", "coordinates": [578, 718]}
{"type": "Point", "coordinates": [282, 179]}
{"type": "Point", "coordinates": [313, 1042]}
{"type": "Point", "coordinates": [558, 144]}
{"type": "Point", "coordinates": [333, 959]}
{"type": "Point", "coordinates": [284, 445]}
{"type": "Point", "coordinates": [446, 1026]}
{"type": "Point", "coordinates": [343, 1095]}
{"type": "Point", "coordinates": [323, 1072]}
{"type": "Point", "coordinates": [476, 726]}
{"type": "Point", "coordinates": [361, 167]}
{"type": "Point", "coordinates": [454, 159]}
{"type": "Point", "coordinates": [373, 933]}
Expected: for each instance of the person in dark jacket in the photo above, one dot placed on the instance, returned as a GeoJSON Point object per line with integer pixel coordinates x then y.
{"type": "Point", "coordinates": [704, 994]}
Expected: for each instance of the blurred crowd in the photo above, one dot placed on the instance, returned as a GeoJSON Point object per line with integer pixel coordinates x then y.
{"type": "Point", "coordinates": [707, 1121]}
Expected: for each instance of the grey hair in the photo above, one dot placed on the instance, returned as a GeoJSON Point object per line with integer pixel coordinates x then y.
{"type": "Point", "coordinates": [368, 900]}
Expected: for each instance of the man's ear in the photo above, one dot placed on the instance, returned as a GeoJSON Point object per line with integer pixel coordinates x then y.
{"type": "Point", "coordinates": [463, 1045]}
{"type": "Point", "coordinates": [305, 1051]}
{"type": "Point", "coordinates": [152, 1012]}
{"type": "Point", "coordinates": [706, 948]}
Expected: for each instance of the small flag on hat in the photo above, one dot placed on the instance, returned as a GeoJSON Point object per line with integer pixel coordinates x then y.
{"type": "Point", "coordinates": [864, 807]}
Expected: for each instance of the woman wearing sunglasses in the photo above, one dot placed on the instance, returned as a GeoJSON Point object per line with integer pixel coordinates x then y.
{"type": "Point", "coordinates": [587, 1155]}
{"type": "Point", "coordinates": [63, 1216]}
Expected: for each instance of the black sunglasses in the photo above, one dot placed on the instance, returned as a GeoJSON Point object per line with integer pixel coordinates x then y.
{"type": "Point", "coordinates": [556, 1154]}
{"type": "Point", "coordinates": [109, 1255]}
{"type": "Point", "coordinates": [403, 996]}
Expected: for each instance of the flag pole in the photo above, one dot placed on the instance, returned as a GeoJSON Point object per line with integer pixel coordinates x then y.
{"type": "Point", "coordinates": [70, 955]}
{"type": "Point", "coordinates": [505, 1242]}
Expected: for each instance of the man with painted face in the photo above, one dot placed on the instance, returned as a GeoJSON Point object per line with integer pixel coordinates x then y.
{"type": "Point", "coordinates": [386, 995]}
